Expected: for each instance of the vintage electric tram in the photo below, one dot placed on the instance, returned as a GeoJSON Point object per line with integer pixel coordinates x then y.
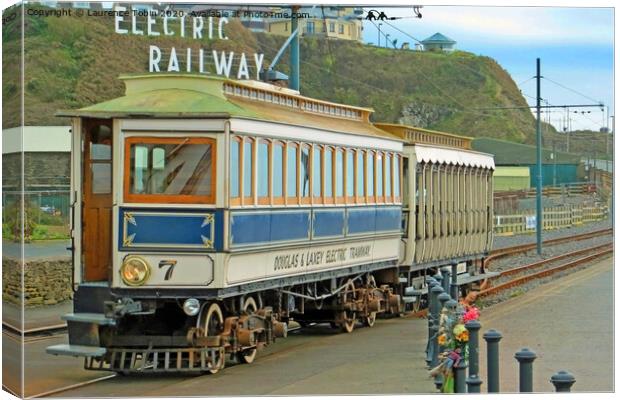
{"type": "Point", "coordinates": [210, 213]}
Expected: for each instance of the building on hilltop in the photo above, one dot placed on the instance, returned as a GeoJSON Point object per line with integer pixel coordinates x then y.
{"type": "Point", "coordinates": [438, 42]}
{"type": "Point", "coordinates": [326, 22]}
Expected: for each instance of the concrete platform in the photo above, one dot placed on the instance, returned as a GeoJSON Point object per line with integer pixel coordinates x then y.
{"type": "Point", "coordinates": [569, 325]}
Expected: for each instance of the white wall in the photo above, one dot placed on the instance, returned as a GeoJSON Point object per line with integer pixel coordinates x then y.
{"type": "Point", "coordinates": [36, 139]}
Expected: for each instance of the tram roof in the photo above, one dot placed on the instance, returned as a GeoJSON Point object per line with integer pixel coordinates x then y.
{"type": "Point", "coordinates": [415, 135]}
{"type": "Point", "coordinates": [198, 96]}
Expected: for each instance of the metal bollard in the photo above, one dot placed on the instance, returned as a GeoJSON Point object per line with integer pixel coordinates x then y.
{"type": "Point", "coordinates": [445, 272]}
{"type": "Point", "coordinates": [526, 358]}
{"type": "Point", "coordinates": [492, 338]}
{"type": "Point", "coordinates": [435, 292]}
{"type": "Point", "coordinates": [473, 380]}
{"type": "Point", "coordinates": [563, 381]}
{"type": "Point", "coordinates": [443, 298]}
{"type": "Point", "coordinates": [439, 278]}
{"type": "Point", "coordinates": [431, 282]}
{"type": "Point", "coordinates": [459, 377]}
{"type": "Point", "coordinates": [454, 287]}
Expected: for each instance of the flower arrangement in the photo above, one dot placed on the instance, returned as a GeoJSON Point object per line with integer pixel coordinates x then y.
{"type": "Point", "coordinates": [452, 339]}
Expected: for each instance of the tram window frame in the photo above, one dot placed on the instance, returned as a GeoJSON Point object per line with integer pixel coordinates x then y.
{"type": "Point", "coordinates": [236, 200]}
{"type": "Point", "coordinates": [360, 176]}
{"type": "Point", "coordinates": [292, 199]}
{"type": "Point", "coordinates": [380, 180]}
{"type": "Point", "coordinates": [350, 176]}
{"type": "Point", "coordinates": [370, 172]}
{"type": "Point", "coordinates": [396, 173]}
{"type": "Point", "coordinates": [328, 171]}
{"type": "Point", "coordinates": [129, 197]}
{"type": "Point", "coordinates": [340, 176]}
{"type": "Point", "coordinates": [264, 200]}
{"type": "Point", "coordinates": [281, 146]}
{"type": "Point", "coordinates": [305, 199]}
{"type": "Point", "coordinates": [317, 149]}
{"type": "Point", "coordinates": [248, 199]}
{"type": "Point", "coordinates": [387, 189]}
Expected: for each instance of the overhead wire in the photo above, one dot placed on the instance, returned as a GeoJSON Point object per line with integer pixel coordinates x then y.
{"type": "Point", "coordinates": [572, 90]}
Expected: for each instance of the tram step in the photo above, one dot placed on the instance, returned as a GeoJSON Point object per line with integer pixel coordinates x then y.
{"type": "Point", "coordinates": [75, 350]}
{"type": "Point", "coordinates": [93, 318]}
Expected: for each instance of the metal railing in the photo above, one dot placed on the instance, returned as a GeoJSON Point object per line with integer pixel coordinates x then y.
{"type": "Point", "coordinates": [553, 218]}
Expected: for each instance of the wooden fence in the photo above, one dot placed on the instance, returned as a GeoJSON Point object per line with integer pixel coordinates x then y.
{"type": "Point", "coordinates": [553, 218]}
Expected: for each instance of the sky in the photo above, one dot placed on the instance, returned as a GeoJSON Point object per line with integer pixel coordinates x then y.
{"type": "Point", "coordinates": [575, 45]}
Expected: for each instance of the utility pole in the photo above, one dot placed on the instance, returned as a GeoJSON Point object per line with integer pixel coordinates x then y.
{"type": "Point", "coordinates": [379, 34]}
{"type": "Point", "coordinates": [539, 214]}
{"type": "Point", "coordinates": [387, 35]}
{"type": "Point", "coordinates": [294, 55]}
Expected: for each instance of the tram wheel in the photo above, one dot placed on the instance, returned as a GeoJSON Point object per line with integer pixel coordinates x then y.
{"type": "Point", "coordinates": [348, 318]}
{"type": "Point", "coordinates": [248, 356]}
{"type": "Point", "coordinates": [371, 317]}
{"type": "Point", "coordinates": [213, 324]}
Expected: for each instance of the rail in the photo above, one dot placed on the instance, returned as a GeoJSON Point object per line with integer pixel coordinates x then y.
{"type": "Point", "coordinates": [606, 249]}
{"type": "Point", "coordinates": [506, 251]}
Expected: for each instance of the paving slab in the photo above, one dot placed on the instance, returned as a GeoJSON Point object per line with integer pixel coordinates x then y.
{"type": "Point", "coordinates": [568, 323]}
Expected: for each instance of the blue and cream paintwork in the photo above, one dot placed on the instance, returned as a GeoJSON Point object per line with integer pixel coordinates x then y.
{"type": "Point", "coordinates": [218, 246]}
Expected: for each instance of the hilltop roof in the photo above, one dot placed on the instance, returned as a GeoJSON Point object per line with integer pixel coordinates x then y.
{"type": "Point", "coordinates": [438, 38]}
{"type": "Point", "coordinates": [177, 95]}
{"type": "Point", "coordinates": [510, 153]}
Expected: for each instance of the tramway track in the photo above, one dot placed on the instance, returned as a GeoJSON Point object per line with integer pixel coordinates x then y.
{"type": "Point", "coordinates": [508, 251]}
{"type": "Point", "coordinates": [599, 251]}
{"type": "Point", "coordinates": [34, 334]}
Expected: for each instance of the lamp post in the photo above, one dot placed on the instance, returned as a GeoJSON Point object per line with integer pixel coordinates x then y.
{"type": "Point", "coordinates": [379, 35]}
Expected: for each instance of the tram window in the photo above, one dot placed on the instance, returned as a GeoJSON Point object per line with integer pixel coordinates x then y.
{"type": "Point", "coordinates": [360, 174]}
{"type": "Point", "coordinates": [388, 176]}
{"type": "Point", "coordinates": [350, 174]}
{"type": "Point", "coordinates": [339, 174]}
{"type": "Point", "coordinates": [370, 177]}
{"type": "Point", "coordinates": [248, 161]}
{"type": "Point", "coordinates": [278, 169]}
{"type": "Point", "coordinates": [291, 170]}
{"type": "Point", "coordinates": [234, 168]}
{"type": "Point", "coordinates": [397, 176]}
{"type": "Point", "coordinates": [262, 175]}
{"type": "Point", "coordinates": [101, 143]}
{"type": "Point", "coordinates": [101, 178]}
{"type": "Point", "coordinates": [305, 171]}
{"type": "Point", "coordinates": [180, 167]}
{"type": "Point", "coordinates": [379, 175]}
{"type": "Point", "coordinates": [316, 171]}
{"type": "Point", "coordinates": [329, 165]}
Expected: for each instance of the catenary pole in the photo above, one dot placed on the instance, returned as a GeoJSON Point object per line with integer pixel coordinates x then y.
{"type": "Point", "coordinates": [539, 213]}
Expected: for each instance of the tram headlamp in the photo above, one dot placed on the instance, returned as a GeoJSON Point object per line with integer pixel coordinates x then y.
{"type": "Point", "coordinates": [135, 271]}
{"type": "Point", "coordinates": [191, 307]}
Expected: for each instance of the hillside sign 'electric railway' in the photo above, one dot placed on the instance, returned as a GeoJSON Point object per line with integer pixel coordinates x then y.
{"type": "Point", "coordinates": [154, 24]}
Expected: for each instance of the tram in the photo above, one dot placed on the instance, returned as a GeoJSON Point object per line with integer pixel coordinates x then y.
{"type": "Point", "coordinates": [208, 214]}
